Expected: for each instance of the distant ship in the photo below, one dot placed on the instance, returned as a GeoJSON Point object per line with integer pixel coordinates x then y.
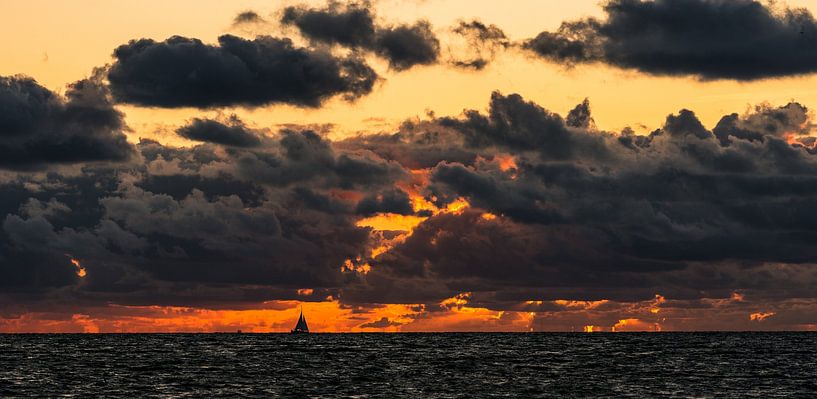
{"type": "Point", "coordinates": [301, 327]}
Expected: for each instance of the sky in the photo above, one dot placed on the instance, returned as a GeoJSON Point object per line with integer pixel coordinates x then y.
{"type": "Point", "coordinates": [408, 165]}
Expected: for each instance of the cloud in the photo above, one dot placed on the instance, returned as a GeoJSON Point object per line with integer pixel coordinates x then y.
{"type": "Point", "coordinates": [35, 208]}
{"type": "Point", "coordinates": [580, 116]}
{"type": "Point", "coordinates": [39, 127]}
{"type": "Point", "coordinates": [394, 201]}
{"type": "Point", "coordinates": [354, 26]}
{"type": "Point", "coordinates": [416, 145]}
{"type": "Point", "coordinates": [233, 133]}
{"type": "Point", "coordinates": [384, 322]}
{"type": "Point", "coordinates": [247, 17]}
{"type": "Point", "coordinates": [184, 72]}
{"type": "Point", "coordinates": [408, 45]}
{"type": "Point", "coordinates": [301, 156]}
{"type": "Point", "coordinates": [517, 125]}
{"type": "Point", "coordinates": [350, 26]}
{"type": "Point", "coordinates": [589, 215]}
{"type": "Point", "coordinates": [482, 43]}
{"type": "Point", "coordinates": [710, 39]}
{"type": "Point", "coordinates": [159, 230]}
{"type": "Point", "coordinates": [514, 209]}
{"type": "Point", "coordinates": [789, 120]}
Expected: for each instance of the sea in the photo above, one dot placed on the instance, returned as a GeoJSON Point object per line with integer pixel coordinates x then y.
{"type": "Point", "coordinates": [450, 365]}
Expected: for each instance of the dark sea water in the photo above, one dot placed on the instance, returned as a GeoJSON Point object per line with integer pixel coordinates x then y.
{"type": "Point", "coordinates": [762, 365]}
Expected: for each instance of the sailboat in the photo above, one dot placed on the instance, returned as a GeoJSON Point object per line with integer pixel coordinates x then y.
{"type": "Point", "coordinates": [301, 327]}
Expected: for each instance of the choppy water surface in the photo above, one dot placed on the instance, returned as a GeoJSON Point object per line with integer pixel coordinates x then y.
{"type": "Point", "coordinates": [410, 365]}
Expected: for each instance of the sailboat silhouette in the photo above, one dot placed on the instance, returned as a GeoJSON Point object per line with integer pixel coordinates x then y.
{"type": "Point", "coordinates": [301, 327]}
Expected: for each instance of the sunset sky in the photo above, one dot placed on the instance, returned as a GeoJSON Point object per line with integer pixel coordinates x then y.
{"type": "Point", "coordinates": [408, 165]}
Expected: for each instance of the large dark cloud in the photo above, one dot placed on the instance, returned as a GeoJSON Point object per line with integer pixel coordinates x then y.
{"type": "Point", "coordinates": [305, 156]}
{"type": "Point", "coordinates": [558, 211]}
{"type": "Point", "coordinates": [588, 215]}
{"type": "Point", "coordinates": [354, 26]}
{"type": "Point", "coordinates": [408, 45]}
{"type": "Point", "coordinates": [350, 26]}
{"type": "Point", "coordinates": [162, 231]}
{"type": "Point", "coordinates": [517, 125]}
{"type": "Point", "coordinates": [394, 201]}
{"type": "Point", "coordinates": [791, 119]}
{"type": "Point", "coordinates": [710, 39]}
{"type": "Point", "coordinates": [180, 72]}
{"type": "Point", "coordinates": [39, 127]}
{"type": "Point", "coordinates": [416, 145]}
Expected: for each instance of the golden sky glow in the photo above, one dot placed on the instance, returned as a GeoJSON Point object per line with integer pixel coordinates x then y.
{"type": "Point", "coordinates": [81, 272]}
{"type": "Point", "coordinates": [454, 314]}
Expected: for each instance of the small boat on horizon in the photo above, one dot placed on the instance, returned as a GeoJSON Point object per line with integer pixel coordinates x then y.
{"type": "Point", "coordinates": [300, 327]}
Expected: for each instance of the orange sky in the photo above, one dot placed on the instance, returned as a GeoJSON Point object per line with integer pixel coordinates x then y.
{"type": "Point", "coordinates": [453, 315]}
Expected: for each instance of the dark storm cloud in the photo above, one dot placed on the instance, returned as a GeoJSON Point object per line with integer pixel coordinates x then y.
{"type": "Point", "coordinates": [350, 26]}
{"type": "Point", "coordinates": [487, 189]}
{"type": "Point", "coordinates": [301, 156]}
{"type": "Point", "coordinates": [269, 244]}
{"type": "Point", "coordinates": [392, 201]}
{"type": "Point", "coordinates": [558, 210]}
{"type": "Point", "coordinates": [450, 254]}
{"type": "Point", "coordinates": [233, 133]}
{"type": "Point", "coordinates": [710, 39]}
{"type": "Point", "coordinates": [415, 145]}
{"type": "Point", "coordinates": [190, 226]}
{"type": "Point", "coordinates": [408, 45]}
{"type": "Point", "coordinates": [777, 122]}
{"type": "Point", "coordinates": [181, 72]}
{"type": "Point", "coordinates": [517, 125]}
{"type": "Point", "coordinates": [39, 127]}
{"type": "Point", "coordinates": [180, 185]}
{"type": "Point", "coordinates": [354, 26]}
{"type": "Point", "coordinates": [588, 215]}
{"type": "Point", "coordinates": [686, 123]}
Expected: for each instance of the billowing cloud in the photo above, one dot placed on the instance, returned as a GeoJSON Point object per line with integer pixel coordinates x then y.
{"type": "Point", "coordinates": [184, 72]}
{"type": "Point", "coordinates": [233, 133]}
{"type": "Point", "coordinates": [282, 212]}
{"type": "Point", "coordinates": [350, 26]}
{"type": "Point", "coordinates": [709, 39]}
{"type": "Point", "coordinates": [517, 125]}
{"type": "Point", "coordinates": [408, 45]}
{"type": "Point", "coordinates": [39, 127]}
{"type": "Point", "coordinates": [584, 215]}
{"type": "Point", "coordinates": [354, 26]}
{"type": "Point", "coordinates": [511, 218]}
{"type": "Point", "coordinates": [394, 201]}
